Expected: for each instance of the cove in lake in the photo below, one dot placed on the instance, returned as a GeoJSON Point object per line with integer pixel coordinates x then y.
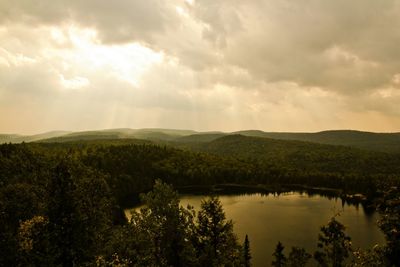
{"type": "Point", "coordinates": [293, 218]}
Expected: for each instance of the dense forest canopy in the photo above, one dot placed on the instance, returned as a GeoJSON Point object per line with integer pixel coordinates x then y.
{"type": "Point", "coordinates": [61, 203]}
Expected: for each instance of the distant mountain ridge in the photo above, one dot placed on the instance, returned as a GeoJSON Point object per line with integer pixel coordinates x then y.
{"type": "Point", "coordinates": [16, 138]}
{"type": "Point", "coordinates": [383, 142]}
{"type": "Point", "coordinates": [297, 154]}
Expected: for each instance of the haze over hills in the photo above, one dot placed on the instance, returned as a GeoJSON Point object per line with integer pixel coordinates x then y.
{"type": "Point", "coordinates": [16, 138]}
{"type": "Point", "coordinates": [383, 142]}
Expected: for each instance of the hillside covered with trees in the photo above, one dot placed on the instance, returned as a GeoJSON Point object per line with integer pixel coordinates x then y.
{"type": "Point", "coordinates": [381, 142]}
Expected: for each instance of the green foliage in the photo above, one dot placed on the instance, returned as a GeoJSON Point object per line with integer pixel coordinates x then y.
{"type": "Point", "coordinates": [334, 244]}
{"type": "Point", "coordinates": [216, 240]}
{"type": "Point", "coordinates": [390, 224]}
{"type": "Point", "coordinates": [78, 215]}
{"type": "Point", "coordinates": [374, 257]}
{"type": "Point", "coordinates": [167, 227]}
{"type": "Point", "coordinates": [58, 202]}
{"type": "Point", "coordinates": [34, 242]}
{"type": "Point", "coordinates": [279, 258]}
{"type": "Point", "coordinates": [163, 233]}
{"type": "Point", "coordinates": [18, 202]}
{"type": "Point", "coordinates": [384, 142]}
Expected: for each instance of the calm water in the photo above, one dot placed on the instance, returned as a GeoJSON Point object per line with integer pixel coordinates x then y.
{"type": "Point", "coordinates": [292, 218]}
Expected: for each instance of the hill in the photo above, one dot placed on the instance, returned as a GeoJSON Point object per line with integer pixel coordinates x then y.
{"type": "Point", "coordinates": [108, 134]}
{"type": "Point", "coordinates": [384, 142]}
{"type": "Point", "coordinates": [300, 155]}
{"type": "Point", "coordinates": [15, 138]}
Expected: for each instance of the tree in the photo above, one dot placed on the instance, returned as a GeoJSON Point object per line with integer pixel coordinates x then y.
{"type": "Point", "coordinates": [217, 244]}
{"type": "Point", "coordinates": [246, 252]}
{"type": "Point", "coordinates": [18, 202]}
{"type": "Point", "coordinates": [34, 243]}
{"type": "Point", "coordinates": [279, 257]}
{"type": "Point", "coordinates": [78, 214]}
{"type": "Point", "coordinates": [374, 257]}
{"type": "Point", "coordinates": [298, 257]}
{"type": "Point", "coordinates": [390, 224]}
{"type": "Point", "coordinates": [63, 224]}
{"type": "Point", "coordinates": [166, 226]}
{"type": "Point", "coordinates": [335, 244]}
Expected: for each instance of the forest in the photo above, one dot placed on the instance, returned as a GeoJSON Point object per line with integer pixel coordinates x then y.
{"type": "Point", "coordinates": [61, 204]}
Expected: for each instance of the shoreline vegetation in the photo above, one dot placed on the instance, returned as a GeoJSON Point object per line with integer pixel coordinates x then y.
{"type": "Point", "coordinates": [234, 189]}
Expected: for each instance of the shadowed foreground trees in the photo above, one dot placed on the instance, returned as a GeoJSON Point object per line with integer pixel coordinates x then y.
{"type": "Point", "coordinates": [217, 243]}
{"type": "Point", "coordinates": [335, 248]}
{"type": "Point", "coordinates": [74, 224]}
{"type": "Point", "coordinates": [390, 225]}
{"type": "Point", "coordinates": [279, 257]}
{"type": "Point", "coordinates": [246, 252]}
{"type": "Point", "coordinates": [334, 244]}
{"type": "Point", "coordinates": [163, 233]}
{"type": "Point", "coordinates": [298, 257]}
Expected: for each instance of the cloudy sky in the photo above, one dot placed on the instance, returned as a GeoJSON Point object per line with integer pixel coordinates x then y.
{"type": "Point", "coordinates": [274, 65]}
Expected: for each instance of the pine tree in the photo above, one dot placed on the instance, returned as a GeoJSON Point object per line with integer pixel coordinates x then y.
{"type": "Point", "coordinates": [246, 252]}
{"type": "Point", "coordinates": [217, 244]}
{"type": "Point", "coordinates": [279, 257]}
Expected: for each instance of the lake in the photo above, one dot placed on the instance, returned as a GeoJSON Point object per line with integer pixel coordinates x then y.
{"type": "Point", "coordinates": [292, 218]}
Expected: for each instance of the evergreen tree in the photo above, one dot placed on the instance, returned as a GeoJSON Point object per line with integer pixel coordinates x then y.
{"type": "Point", "coordinates": [335, 245]}
{"type": "Point", "coordinates": [246, 252]}
{"type": "Point", "coordinates": [217, 244]}
{"type": "Point", "coordinates": [279, 257]}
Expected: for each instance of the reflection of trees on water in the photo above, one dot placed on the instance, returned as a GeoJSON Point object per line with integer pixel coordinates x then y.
{"type": "Point", "coordinates": [278, 190]}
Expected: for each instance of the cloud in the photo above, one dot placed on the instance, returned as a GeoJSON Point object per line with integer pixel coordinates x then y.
{"type": "Point", "coordinates": [116, 21]}
{"type": "Point", "coordinates": [340, 45]}
{"type": "Point", "coordinates": [208, 65]}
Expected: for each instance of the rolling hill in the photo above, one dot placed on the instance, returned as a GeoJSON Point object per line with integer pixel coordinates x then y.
{"type": "Point", "coordinates": [300, 155]}
{"type": "Point", "coordinates": [16, 138]}
{"type": "Point", "coordinates": [385, 142]}
{"type": "Point", "coordinates": [381, 142]}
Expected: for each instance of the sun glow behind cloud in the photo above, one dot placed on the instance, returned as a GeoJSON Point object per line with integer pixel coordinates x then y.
{"type": "Point", "coordinates": [126, 62]}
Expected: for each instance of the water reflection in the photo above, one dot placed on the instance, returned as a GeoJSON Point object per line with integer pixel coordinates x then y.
{"type": "Point", "coordinates": [294, 218]}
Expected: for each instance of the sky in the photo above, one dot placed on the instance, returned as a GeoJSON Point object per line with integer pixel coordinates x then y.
{"type": "Point", "coordinates": [226, 65]}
